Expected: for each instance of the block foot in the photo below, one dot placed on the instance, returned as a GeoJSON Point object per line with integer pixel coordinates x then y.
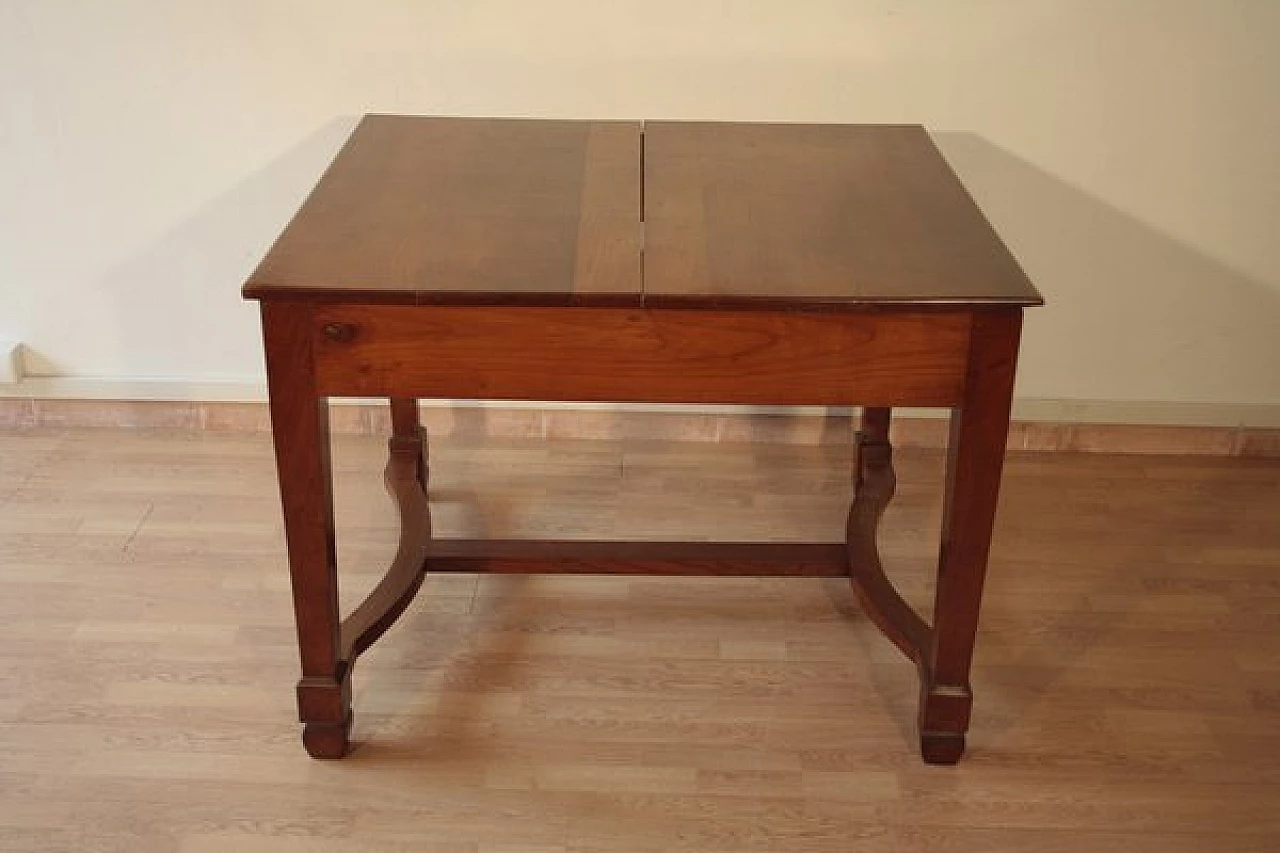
{"type": "Point", "coordinates": [326, 741]}
{"type": "Point", "coordinates": [941, 747]}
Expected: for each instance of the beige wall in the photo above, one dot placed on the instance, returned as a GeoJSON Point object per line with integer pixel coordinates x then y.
{"type": "Point", "coordinates": [1129, 151]}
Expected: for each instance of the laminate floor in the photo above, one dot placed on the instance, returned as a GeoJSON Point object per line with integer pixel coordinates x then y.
{"type": "Point", "coordinates": [1127, 675]}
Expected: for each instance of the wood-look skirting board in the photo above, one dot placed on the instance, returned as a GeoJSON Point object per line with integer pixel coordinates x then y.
{"type": "Point", "coordinates": [1169, 428]}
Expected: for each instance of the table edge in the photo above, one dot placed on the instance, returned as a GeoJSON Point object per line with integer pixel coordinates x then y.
{"type": "Point", "coordinates": [709, 302]}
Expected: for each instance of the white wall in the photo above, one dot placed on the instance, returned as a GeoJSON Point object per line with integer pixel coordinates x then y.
{"type": "Point", "coordinates": [1128, 150]}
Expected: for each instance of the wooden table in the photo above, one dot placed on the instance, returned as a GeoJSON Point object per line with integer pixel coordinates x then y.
{"type": "Point", "coordinates": [833, 265]}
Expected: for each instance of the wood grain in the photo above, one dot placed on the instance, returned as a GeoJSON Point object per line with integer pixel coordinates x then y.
{"type": "Point", "coordinates": [1126, 672]}
{"type": "Point", "coordinates": [406, 479]}
{"type": "Point", "coordinates": [874, 482]}
{"type": "Point", "coordinates": [623, 557]}
{"type": "Point", "coordinates": [603, 354]}
{"type": "Point", "coordinates": [502, 232]}
{"type": "Point", "coordinates": [300, 430]}
{"type": "Point", "coordinates": [418, 209]}
{"type": "Point", "coordinates": [535, 212]}
{"type": "Point", "coordinates": [833, 216]}
{"type": "Point", "coordinates": [975, 459]}
{"type": "Point", "coordinates": [525, 421]}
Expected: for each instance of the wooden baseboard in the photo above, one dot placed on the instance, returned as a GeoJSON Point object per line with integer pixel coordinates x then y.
{"type": "Point", "coordinates": [525, 422]}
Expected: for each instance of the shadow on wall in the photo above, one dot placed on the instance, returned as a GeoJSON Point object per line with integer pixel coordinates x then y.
{"type": "Point", "coordinates": [186, 286]}
{"type": "Point", "coordinates": [1130, 313]}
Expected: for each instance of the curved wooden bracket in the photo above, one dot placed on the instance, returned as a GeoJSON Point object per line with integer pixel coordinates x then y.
{"type": "Point", "coordinates": [406, 479]}
{"type": "Point", "coordinates": [874, 483]}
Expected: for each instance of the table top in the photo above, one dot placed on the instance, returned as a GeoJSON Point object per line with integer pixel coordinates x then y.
{"type": "Point", "coordinates": [700, 214]}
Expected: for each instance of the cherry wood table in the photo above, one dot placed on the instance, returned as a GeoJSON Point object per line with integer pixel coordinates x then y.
{"type": "Point", "coordinates": [833, 265]}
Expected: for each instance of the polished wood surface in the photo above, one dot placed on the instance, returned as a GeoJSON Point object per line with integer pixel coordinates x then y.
{"type": "Point", "coordinates": [833, 216]}
{"type": "Point", "coordinates": [458, 235]}
{"type": "Point", "coordinates": [620, 354]}
{"type": "Point", "coordinates": [462, 210]}
{"type": "Point", "coordinates": [406, 478]}
{"type": "Point", "coordinates": [508, 211]}
{"type": "Point", "coordinates": [628, 557]}
{"type": "Point", "coordinates": [1127, 668]}
{"type": "Point", "coordinates": [317, 350]}
{"type": "Point", "coordinates": [975, 459]}
{"type": "Point", "coordinates": [300, 421]}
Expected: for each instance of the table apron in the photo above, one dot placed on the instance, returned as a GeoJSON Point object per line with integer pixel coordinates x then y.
{"type": "Point", "coordinates": [664, 355]}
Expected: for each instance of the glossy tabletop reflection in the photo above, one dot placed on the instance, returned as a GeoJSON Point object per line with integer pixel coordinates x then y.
{"type": "Point", "coordinates": [515, 211]}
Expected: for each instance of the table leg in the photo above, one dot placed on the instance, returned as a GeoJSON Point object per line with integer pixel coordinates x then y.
{"type": "Point", "coordinates": [300, 427]}
{"type": "Point", "coordinates": [407, 435]}
{"type": "Point", "coordinates": [975, 457]}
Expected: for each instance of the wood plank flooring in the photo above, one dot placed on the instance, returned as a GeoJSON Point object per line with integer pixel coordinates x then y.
{"type": "Point", "coordinates": [1127, 675]}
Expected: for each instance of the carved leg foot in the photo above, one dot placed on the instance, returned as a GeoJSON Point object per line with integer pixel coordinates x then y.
{"type": "Point", "coordinates": [324, 706]}
{"type": "Point", "coordinates": [944, 718]}
{"type": "Point", "coordinates": [325, 741]}
{"type": "Point", "coordinates": [941, 748]}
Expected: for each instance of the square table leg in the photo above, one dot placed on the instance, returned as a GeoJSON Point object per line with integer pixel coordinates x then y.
{"type": "Point", "coordinates": [408, 436]}
{"type": "Point", "coordinates": [300, 428]}
{"type": "Point", "coordinates": [975, 458]}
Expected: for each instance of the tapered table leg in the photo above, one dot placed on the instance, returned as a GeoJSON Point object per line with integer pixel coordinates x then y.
{"type": "Point", "coordinates": [975, 458]}
{"type": "Point", "coordinates": [300, 427]}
